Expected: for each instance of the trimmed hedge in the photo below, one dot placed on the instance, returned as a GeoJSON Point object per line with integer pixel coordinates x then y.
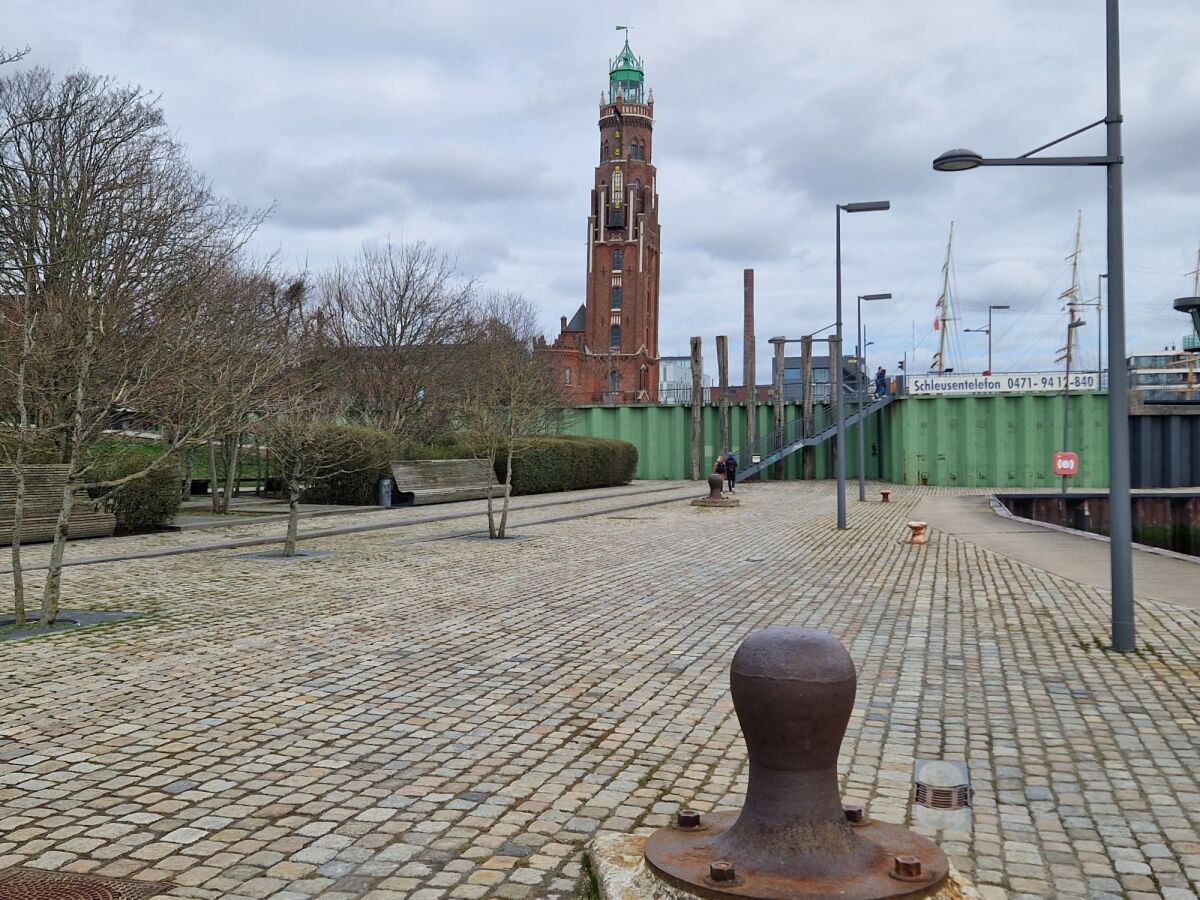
{"type": "Point", "coordinates": [357, 484]}
{"type": "Point", "coordinates": [544, 465]}
{"type": "Point", "coordinates": [566, 463]}
{"type": "Point", "coordinates": [145, 503]}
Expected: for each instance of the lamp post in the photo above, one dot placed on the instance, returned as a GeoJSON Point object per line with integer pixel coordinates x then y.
{"type": "Point", "coordinates": [988, 331]}
{"type": "Point", "coordinates": [1120, 523]}
{"type": "Point", "coordinates": [835, 359]}
{"type": "Point", "coordinates": [1078, 323]}
{"type": "Point", "coordinates": [861, 351]}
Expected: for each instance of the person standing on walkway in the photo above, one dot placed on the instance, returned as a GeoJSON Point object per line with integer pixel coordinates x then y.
{"type": "Point", "coordinates": [880, 382]}
{"type": "Point", "coordinates": [731, 471]}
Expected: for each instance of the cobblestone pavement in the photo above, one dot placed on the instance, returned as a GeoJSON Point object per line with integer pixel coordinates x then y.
{"type": "Point", "coordinates": [457, 718]}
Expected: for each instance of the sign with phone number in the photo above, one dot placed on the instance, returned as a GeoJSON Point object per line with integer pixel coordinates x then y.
{"type": "Point", "coordinates": [1017, 383]}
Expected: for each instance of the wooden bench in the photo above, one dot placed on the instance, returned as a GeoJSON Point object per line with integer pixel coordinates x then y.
{"type": "Point", "coordinates": [422, 481]}
{"type": "Point", "coordinates": [43, 499]}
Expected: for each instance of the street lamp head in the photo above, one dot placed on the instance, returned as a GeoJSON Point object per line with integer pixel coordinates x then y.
{"type": "Point", "coordinates": [998, 306]}
{"type": "Point", "coordinates": [875, 297]}
{"type": "Point", "coordinates": [872, 206]}
{"type": "Point", "coordinates": [1078, 323]}
{"type": "Point", "coordinates": [957, 161]}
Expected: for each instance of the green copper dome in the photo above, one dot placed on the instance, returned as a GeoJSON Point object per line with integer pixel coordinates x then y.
{"type": "Point", "coordinates": [626, 75]}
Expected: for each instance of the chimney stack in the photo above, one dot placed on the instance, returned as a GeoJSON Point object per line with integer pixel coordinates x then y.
{"type": "Point", "coordinates": [748, 375]}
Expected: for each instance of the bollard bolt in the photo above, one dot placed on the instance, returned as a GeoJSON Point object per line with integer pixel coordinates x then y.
{"type": "Point", "coordinates": [854, 813]}
{"type": "Point", "coordinates": [908, 866]}
{"type": "Point", "coordinates": [687, 818]}
{"type": "Point", "coordinates": [721, 871]}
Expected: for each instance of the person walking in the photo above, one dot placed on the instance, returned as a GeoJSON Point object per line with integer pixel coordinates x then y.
{"type": "Point", "coordinates": [880, 382]}
{"type": "Point", "coordinates": [731, 471]}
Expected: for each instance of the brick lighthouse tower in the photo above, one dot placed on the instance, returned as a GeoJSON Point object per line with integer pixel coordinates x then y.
{"type": "Point", "coordinates": [608, 351]}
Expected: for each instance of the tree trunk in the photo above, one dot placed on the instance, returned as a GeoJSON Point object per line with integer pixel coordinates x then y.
{"type": "Point", "coordinates": [723, 380]}
{"type": "Point", "coordinates": [231, 471]}
{"type": "Point", "coordinates": [19, 467]}
{"type": "Point", "coordinates": [697, 403]}
{"type": "Point", "coordinates": [507, 490]}
{"type": "Point", "coordinates": [749, 375]}
{"type": "Point", "coordinates": [808, 453]}
{"type": "Point", "coordinates": [491, 511]}
{"type": "Point", "coordinates": [50, 594]}
{"type": "Point", "coordinates": [186, 492]}
{"type": "Point", "coordinates": [293, 529]}
{"type": "Point", "coordinates": [53, 586]}
{"type": "Point", "coordinates": [777, 364]}
{"type": "Point", "coordinates": [212, 476]}
{"type": "Point", "coordinates": [18, 522]}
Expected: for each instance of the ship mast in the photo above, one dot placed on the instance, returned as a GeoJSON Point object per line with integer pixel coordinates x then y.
{"type": "Point", "coordinates": [1071, 295]}
{"type": "Point", "coordinates": [943, 307]}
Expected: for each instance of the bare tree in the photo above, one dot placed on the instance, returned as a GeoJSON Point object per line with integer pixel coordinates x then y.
{"type": "Point", "coordinates": [512, 398]}
{"type": "Point", "coordinates": [253, 315]}
{"type": "Point", "coordinates": [108, 236]}
{"type": "Point", "coordinates": [401, 310]}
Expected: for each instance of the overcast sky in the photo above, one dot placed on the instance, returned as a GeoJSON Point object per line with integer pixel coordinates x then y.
{"type": "Point", "coordinates": [472, 124]}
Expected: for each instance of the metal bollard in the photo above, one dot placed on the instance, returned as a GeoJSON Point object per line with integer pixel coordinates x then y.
{"type": "Point", "coordinates": [715, 482]}
{"type": "Point", "coordinates": [793, 690]}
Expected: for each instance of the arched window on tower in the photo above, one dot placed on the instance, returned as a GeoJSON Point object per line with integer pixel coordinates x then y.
{"type": "Point", "coordinates": [604, 151]}
{"type": "Point", "coordinates": [616, 297]}
{"type": "Point", "coordinates": [618, 255]}
{"type": "Point", "coordinates": [614, 382]}
{"type": "Point", "coordinates": [614, 337]}
{"type": "Point", "coordinates": [635, 151]}
{"type": "Point", "coordinates": [567, 375]}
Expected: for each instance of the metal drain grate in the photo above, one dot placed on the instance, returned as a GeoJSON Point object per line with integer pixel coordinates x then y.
{"type": "Point", "coordinates": [931, 797]}
{"type": "Point", "coordinates": [36, 884]}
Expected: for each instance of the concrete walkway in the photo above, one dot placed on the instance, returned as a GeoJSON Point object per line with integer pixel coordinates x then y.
{"type": "Point", "coordinates": [969, 517]}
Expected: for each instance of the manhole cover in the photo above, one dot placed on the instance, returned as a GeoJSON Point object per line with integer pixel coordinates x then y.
{"type": "Point", "coordinates": [36, 884]}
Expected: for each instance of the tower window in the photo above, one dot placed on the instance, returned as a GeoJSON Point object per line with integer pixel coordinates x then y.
{"type": "Point", "coordinates": [634, 151]}
{"type": "Point", "coordinates": [614, 382]}
{"type": "Point", "coordinates": [616, 297]}
{"type": "Point", "coordinates": [604, 151]}
{"type": "Point", "coordinates": [614, 337]}
{"type": "Point", "coordinates": [618, 255]}
{"type": "Point", "coordinates": [566, 376]}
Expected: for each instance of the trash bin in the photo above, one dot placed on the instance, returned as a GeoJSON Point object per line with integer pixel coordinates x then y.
{"type": "Point", "coordinates": [385, 492]}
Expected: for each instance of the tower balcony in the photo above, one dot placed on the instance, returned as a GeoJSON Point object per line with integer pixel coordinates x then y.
{"type": "Point", "coordinates": [644, 110]}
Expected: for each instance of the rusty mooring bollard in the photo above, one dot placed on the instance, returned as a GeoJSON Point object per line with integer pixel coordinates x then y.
{"type": "Point", "coordinates": [793, 690]}
{"type": "Point", "coordinates": [715, 482]}
{"type": "Point", "coordinates": [885, 496]}
{"type": "Point", "coordinates": [918, 533]}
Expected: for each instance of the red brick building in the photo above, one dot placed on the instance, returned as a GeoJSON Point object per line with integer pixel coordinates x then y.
{"type": "Point", "coordinates": [608, 351]}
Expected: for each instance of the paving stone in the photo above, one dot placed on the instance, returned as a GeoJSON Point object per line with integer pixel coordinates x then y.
{"type": "Point", "coordinates": [456, 718]}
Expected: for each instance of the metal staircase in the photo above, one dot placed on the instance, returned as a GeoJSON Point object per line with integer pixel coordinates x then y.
{"type": "Point", "coordinates": [794, 436]}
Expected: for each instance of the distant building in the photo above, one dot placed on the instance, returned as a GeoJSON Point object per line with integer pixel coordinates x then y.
{"type": "Point", "coordinates": [793, 378]}
{"type": "Point", "coordinates": [1172, 376]}
{"type": "Point", "coordinates": [675, 381]}
{"type": "Point", "coordinates": [608, 351]}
